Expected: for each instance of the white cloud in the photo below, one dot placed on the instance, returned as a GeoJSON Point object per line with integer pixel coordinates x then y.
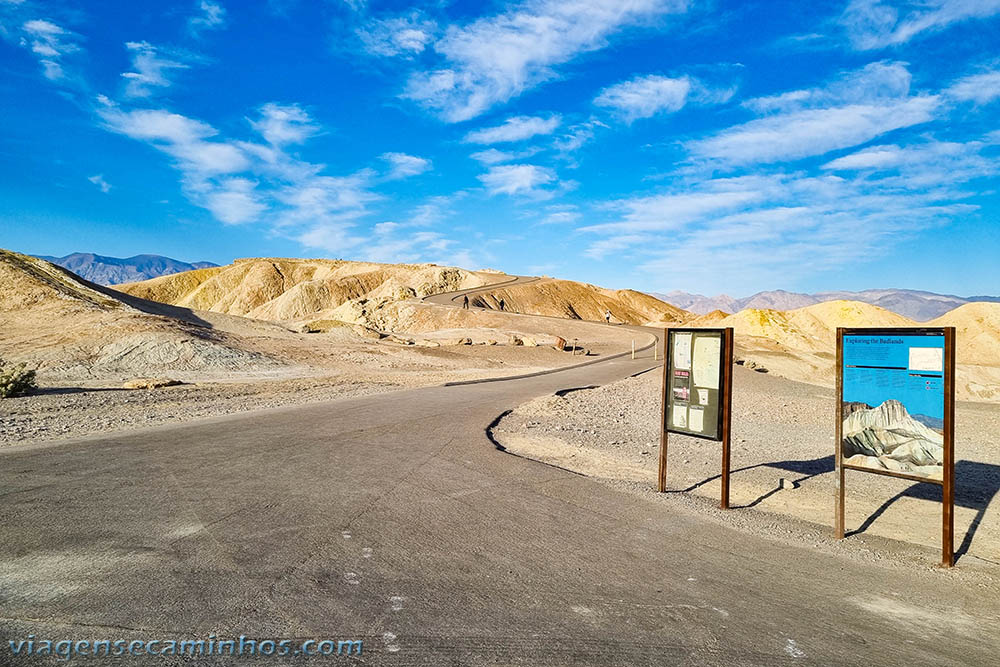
{"type": "Point", "coordinates": [514, 179]}
{"type": "Point", "coordinates": [576, 137]}
{"type": "Point", "coordinates": [876, 82]}
{"type": "Point", "coordinates": [979, 88]}
{"type": "Point", "coordinates": [645, 96]}
{"type": "Point", "coordinates": [403, 165]}
{"type": "Point", "coordinates": [50, 43]}
{"type": "Point", "coordinates": [495, 58]}
{"type": "Point", "coordinates": [401, 35]}
{"type": "Point", "coordinates": [874, 24]}
{"type": "Point", "coordinates": [516, 128]}
{"type": "Point", "coordinates": [561, 214]}
{"type": "Point", "coordinates": [493, 156]}
{"type": "Point", "coordinates": [856, 108]}
{"type": "Point", "coordinates": [102, 185]}
{"type": "Point", "coordinates": [211, 15]}
{"type": "Point", "coordinates": [931, 164]}
{"type": "Point", "coordinates": [149, 70]}
{"type": "Point", "coordinates": [769, 229]}
{"type": "Point", "coordinates": [282, 124]}
{"type": "Point", "coordinates": [235, 201]}
{"type": "Point", "coordinates": [810, 132]}
{"type": "Point", "coordinates": [239, 182]}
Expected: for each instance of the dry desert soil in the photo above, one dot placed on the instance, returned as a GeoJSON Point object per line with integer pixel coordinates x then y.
{"type": "Point", "coordinates": [782, 464]}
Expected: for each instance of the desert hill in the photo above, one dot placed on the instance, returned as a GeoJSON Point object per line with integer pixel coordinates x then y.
{"type": "Point", "coordinates": [299, 290]}
{"type": "Point", "coordinates": [105, 270]}
{"type": "Point", "coordinates": [573, 300]}
{"type": "Point", "coordinates": [70, 327]}
{"type": "Point", "coordinates": [711, 319]}
{"type": "Point", "coordinates": [917, 305]}
{"type": "Point", "coordinates": [800, 343]}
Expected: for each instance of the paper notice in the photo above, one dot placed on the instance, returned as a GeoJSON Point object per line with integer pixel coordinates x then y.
{"type": "Point", "coordinates": [682, 351]}
{"type": "Point", "coordinates": [696, 419]}
{"type": "Point", "coordinates": [680, 416]}
{"type": "Point", "coordinates": [706, 362]}
{"type": "Point", "coordinates": [703, 396]}
{"type": "Point", "coordinates": [927, 359]}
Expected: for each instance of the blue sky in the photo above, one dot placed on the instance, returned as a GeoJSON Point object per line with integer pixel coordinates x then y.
{"type": "Point", "coordinates": [653, 144]}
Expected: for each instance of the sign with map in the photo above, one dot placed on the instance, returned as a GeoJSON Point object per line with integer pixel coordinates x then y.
{"type": "Point", "coordinates": [893, 403]}
{"type": "Point", "coordinates": [896, 413]}
{"type": "Point", "coordinates": [695, 380]}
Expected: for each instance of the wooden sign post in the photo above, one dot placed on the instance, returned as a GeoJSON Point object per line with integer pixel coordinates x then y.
{"type": "Point", "coordinates": [896, 413]}
{"type": "Point", "coordinates": [697, 393]}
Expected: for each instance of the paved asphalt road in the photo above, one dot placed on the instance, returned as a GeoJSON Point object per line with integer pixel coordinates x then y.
{"type": "Point", "coordinates": [394, 520]}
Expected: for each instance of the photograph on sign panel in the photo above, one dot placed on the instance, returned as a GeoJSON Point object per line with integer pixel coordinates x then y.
{"type": "Point", "coordinates": [893, 404]}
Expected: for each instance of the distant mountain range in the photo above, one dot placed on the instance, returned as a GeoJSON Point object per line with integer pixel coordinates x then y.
{"type": "Point", "coordinates": [114, 270]}
{"type": "Point", "coordinates": [914, 304]}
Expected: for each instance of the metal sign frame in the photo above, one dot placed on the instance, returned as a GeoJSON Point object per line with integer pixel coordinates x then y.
{"type": "Point", "coordinates": [724, 404]}
{"type": "Point", "coordinates": [947, 481]}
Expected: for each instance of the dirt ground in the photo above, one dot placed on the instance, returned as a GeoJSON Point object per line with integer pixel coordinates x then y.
{"type": "Point", "coordinates": [329, 367]}
{"type": "Point", "coordinates": [782, 459]}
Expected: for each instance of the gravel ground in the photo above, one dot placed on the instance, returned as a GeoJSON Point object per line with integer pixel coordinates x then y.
{"type": "Point", "coordinates": [62, 413]}
{"type": "Point", "coordinates": [782, 461]}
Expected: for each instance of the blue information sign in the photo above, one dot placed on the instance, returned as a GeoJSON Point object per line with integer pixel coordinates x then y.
{"type": "Point", "coordinates": [892, 403]}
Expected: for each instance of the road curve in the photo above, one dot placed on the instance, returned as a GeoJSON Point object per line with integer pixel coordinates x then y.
{"type": "Point", "coordinates": [394, 520]}
{"type": "Point", "coordinates": [452, 299]}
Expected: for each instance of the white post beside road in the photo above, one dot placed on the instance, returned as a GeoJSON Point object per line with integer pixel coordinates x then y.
{"type": "Point", "coordinates": [633, 348]}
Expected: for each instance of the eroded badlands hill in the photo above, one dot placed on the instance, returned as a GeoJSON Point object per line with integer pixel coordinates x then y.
{"type": "Point", "coordinates": [573, 300]}
{"type": "Point", "coordinates": [68, 327]}
{"type": "Point", "coordinates": [300, 290]}
{"type": "Point", "coordinates": [800, 344]}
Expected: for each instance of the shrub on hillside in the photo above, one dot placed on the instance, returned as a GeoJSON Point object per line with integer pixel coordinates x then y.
{"type": "Point", "coordinates": [16, 380]}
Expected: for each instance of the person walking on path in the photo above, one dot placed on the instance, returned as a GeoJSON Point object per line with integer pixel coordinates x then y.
{"type": "Point", "coordinates": [465, 302]}
{"type": "Point", "coordinates": [607, 316]}
{"type": "Point", "coordinates": [501, 304]}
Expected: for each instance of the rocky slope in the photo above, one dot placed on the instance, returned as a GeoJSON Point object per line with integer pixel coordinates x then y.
{"type": "Point", "coordinates": [113, 270]}
{"type": "Point", "coordinates": [298, 291]}
{"type": "Point", "coordinates": [573, 300]}
{"type": "Point", "coordinates": [70, 328]}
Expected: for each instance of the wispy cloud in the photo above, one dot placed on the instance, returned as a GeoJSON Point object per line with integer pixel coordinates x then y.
{"type": "Point", "coordinates": [51, 44]}
{"type": "Point", "coordinates": [769, 229]}
{"type": "Point", "coordinates": [102, 185]}
{"type": "Point", "coordinates": [518, 179]}
{"type": "Point", "coordinates": [239, 182]}
{"type": "Point", "coordinates": [210, 15]}
{"type": "Point", "coordinates": [979, 88]}
{"type": "Point", "coordinates": [404, 166]}
{"type": "Point", "coordinates": [495, 58]}
{"type": "Point", "coordinates": [401, 35]}
{"type": "Point", "coordinates": [875, 24]}
{"type": "Point", "coordinates": [283, 124]}
{"type": "Point", "coordinates": [149, 69]}
{"type": "Point", "coordinates": [517, 128]}
{"type": "Point", "coordinates": [855, 108]}
{"type": "Point", "coordinates": [645, 96]}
